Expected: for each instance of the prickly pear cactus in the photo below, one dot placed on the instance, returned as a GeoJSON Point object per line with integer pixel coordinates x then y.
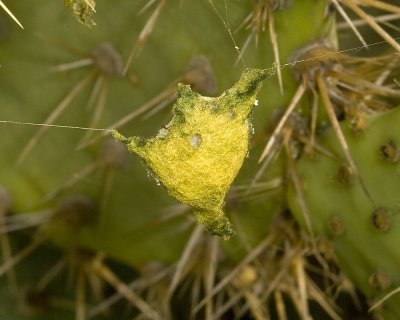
{"type": "Point", "coordinates": [86, 232]}
{"type": "Point", "coordinates": [361, 220]}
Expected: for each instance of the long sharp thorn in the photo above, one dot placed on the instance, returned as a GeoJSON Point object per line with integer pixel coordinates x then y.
{"type": "Point", "coordinates": [72, 65]}
{"type": "Point", "coordinates": [10, 13]}
{"type": "Point", "coordinates": [372, 23]}
{"type": "Point", "coordinates": [297, 184]}
{"type": "Point", "coordinates": [183, 261]}
{"type": "Point", "coordinates": [349, 22]}
{"type": "Point", "coordinates": [386, 297]}
{"type": "Point", "coordinates": [335, 124]}
{"type": "Point", "coordinates": [382, 5]}
{"type": "Point", "coordinates": [144, 34]}
{"type": "Point", "coordinates": [6, 266]}
{"type": "Point", "coordinates": [50, 274]}
{"type": "Point", "coordinates": [275, 48]}
{"type": "Point", "coordinates": [210, 274]}
{"type": "Point", "coordinates": [228, 278]}
{"type": "Point", "coordinates": [280, 305]}
{"type": "Point", "coordinates": [101, 97]}
{"type": "Point", "coordinates": [55, 114]}
{"type": "Point", "coordinates": [361, 22]}
{"type": "Point", "coordinates": [302, 286]}
{"type": "Point", "coordinates": [339, 133]}
{"type": "Point", "coordinates": [314, 118]}
{"type": "Point", "coordinates": [167, 93]}
{"type": "Point", "coordinates": [104, 272]}
{"type": "Point", "coordinates": [293, 103]}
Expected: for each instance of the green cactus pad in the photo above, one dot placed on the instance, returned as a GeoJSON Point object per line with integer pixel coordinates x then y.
{"type": "Point", "coordinates": [199, 153]}
{"type": "Point", "coordinates": [362, 227]}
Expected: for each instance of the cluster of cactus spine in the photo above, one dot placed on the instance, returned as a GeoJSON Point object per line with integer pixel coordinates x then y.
{"type": "Point", "coordinates": [324, 157]}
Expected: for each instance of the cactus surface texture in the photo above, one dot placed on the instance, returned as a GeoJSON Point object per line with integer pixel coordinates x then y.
{"type": "Point", "coordinates": [208, 159]}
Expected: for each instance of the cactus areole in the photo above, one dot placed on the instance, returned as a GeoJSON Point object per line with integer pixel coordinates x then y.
{"type": "Point", "coordinates": [197, 155]}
